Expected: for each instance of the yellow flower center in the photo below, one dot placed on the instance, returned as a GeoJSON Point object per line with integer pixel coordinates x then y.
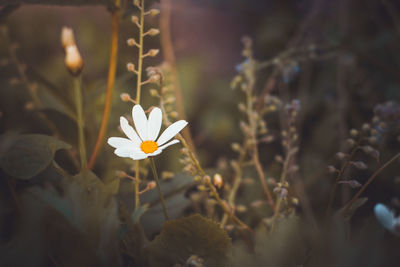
{"type": "Point", "coordinates": [148, 146]}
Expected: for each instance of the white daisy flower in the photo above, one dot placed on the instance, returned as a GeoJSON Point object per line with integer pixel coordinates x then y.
{"type": "Point", "coordinates": [142, 142]}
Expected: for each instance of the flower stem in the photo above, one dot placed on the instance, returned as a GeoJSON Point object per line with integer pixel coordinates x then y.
{"type": "Point", "coordinates": [140, 56]}
{"type": "Point", "coordinates": [153, 167]}
{"type": "Point", "coordinates": [137, 182]}
{"type": "Point", "coordinates": [77, 80]}
{"type": "Point", "coordinates": [138, 93]}
{"type": "Point", "coordinates": [110, 86]}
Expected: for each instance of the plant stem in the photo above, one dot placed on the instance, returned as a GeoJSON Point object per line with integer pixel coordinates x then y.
{"type": "Point", "coordinates": [110, 86]}
{"type": "Point", "coordinates": [373, 176]}
{"type": "Point", "coordinates": [153, 167]}
{"type": "Point", "coordinates": [140, 56]}
{"type": "Point", "coordinates": [136, 186]}
{"type": "Point", "coordinates": [138, 93]}
{"type": "Point", "coordinates": [77, 80]}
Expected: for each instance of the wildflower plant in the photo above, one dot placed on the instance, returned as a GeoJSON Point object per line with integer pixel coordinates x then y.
{"type": "Point", "coordinates": [69, 199]}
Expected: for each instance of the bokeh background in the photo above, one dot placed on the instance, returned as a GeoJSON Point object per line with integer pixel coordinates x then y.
{"type": "Point", "coordinates": [340, 59]}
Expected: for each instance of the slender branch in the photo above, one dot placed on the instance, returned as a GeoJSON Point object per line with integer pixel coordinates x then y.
{"type": "Point", "coordinates": [373, 176]}
{"type": "Point", "coordinates": [153, 167]}
{"type": "Point", "coordinates": [110, 86]}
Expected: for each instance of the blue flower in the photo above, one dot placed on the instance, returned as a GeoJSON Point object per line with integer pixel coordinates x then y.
{"type": "Point", "coordinates": [386, 218]}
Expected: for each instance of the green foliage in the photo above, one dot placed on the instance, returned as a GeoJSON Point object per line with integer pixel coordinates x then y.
{"type": "Point", "coordinates": [24, 156]}
{"type": "Point", "coordinates": [193, 235]}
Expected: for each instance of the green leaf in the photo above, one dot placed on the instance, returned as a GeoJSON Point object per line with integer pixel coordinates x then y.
{"type": "Point", "coordinates": [194, 235]}
{"type": "Point", "coordinates": [25, 156]}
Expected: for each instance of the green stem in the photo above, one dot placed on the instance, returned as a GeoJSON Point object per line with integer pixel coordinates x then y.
{"type": "Point", "coordinates": [79, 120]}
{"type": "Point", "coordinates": [153, 167]}
{"type": "Point", "coordinates": [138, 93]}
{"type": "Point", "coordinates": [136, 186]}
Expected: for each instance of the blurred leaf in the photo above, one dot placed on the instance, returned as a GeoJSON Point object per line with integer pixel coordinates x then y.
{"type": "Point", "coordinates": [29, 154]}
{"type": "Point", "coordinates": [139, 212]}
{"type": "Point", "coordinates": [193, 235]}
{"type": "Point", "coordinates": [153, 219]}
{"type": "Point", "coordinates": [113, 186]}
{"type": "Point", "coordinates": [174, 192]}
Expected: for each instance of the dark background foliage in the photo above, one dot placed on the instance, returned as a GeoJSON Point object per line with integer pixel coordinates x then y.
{"type": "Point", "coordinates": [353, 67]}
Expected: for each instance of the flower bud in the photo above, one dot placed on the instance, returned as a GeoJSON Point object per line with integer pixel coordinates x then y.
{"type": "Point", "coordinates": [235, 147]}
{"type": "Point", "coordinates": [152, 32]}
{"type": "Point", "coordinates": [130, 67]}
{"type": "Point", "coordinates": [173, 114]}
{"type": "Point", "coordinates": [353, 132]}
{"type": "Point", "coordinates": [153, 52]}
{"type": "Point", "coordinates": [131, 42]}
{"type": "Point", "coordinates": [332, 169]}
{"type": "Point", "coordinates": [154, 92]}
{"type": "Point", "coordinates": [73, 60]}
{"type": "Point", "coordinates": [135, 19]}
{"type": "Point", "coordinates": [125, 97]}
{"type": "Point", "coordinates": [153, 12]}
{"type": "Point", "coordinates": [207, 179]}
{"type": "Point", "coordinates": [217, 180]}
{"type": "Point", "coordinates": [151, 185]}
{"type": "Point", "coordinates": [359, 165]}
{"type": "Point", "coordinates": [341, 155]}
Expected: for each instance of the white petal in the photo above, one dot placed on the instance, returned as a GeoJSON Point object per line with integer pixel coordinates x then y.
{"type": "Point", "coordinates": [171, 131]}
{"type": "Point", "coordinates": [119, 142]}
{"type": "Point", "coordinates": [154, 124]}
{"type": "Point", "coordinates": [129, 131]}
{"type": "Point", "coordinates": [384, 216]}
{"type": "Point", "coordinates": [140, 120]}
{"type": "Point", "coordinates": [123, 152]}
{"type": "Point", "coordinates": [155, 153]}
{"type": "Point", "coordinates": [173, 142]}
{"type": "Point", "coordinates": [138, 155]}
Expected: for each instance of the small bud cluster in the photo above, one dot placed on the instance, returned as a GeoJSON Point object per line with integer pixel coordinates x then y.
{"type": "Point", "coordinates": [139, 21]}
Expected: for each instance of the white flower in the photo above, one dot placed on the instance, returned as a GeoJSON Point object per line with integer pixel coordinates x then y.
{"type": "Point", "coordinates": [387, 219]}
{"type": "Point", "coordinates": [142, 142]}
